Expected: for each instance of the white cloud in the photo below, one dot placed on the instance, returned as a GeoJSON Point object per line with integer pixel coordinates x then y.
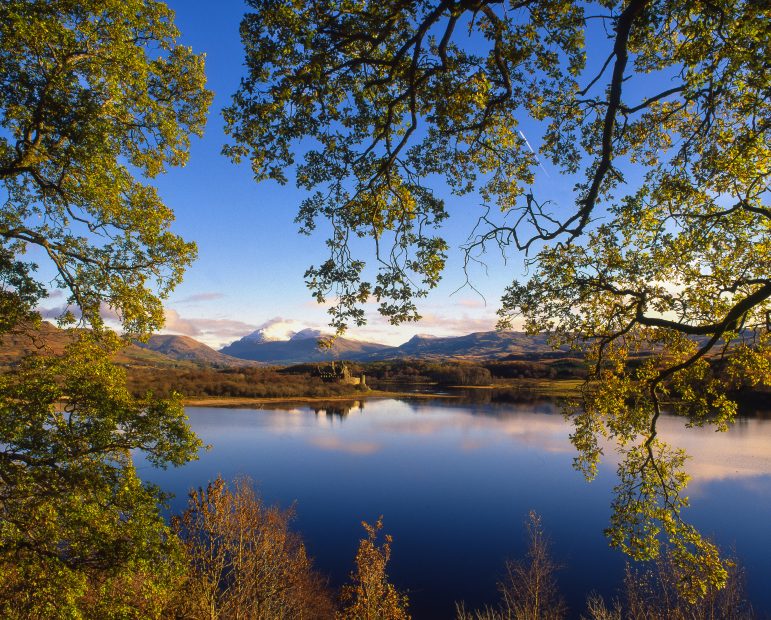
{"type": "Point", "coordinates": [105, 311]}
{"type": "Point", "coordinates": [467, 302]}
{"type": "Point", "coordinates": [198, 297]}
{"type": "Point", "coordinates": [457, 324]}
{"type": "Point", "coordinates": [214, 332]}
{"type": "Point", "coordinates": [279, 328]}
{"type": "Point", "coordinates": [440, 324]}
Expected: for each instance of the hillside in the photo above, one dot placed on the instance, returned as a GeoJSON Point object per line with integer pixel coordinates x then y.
{"type": "Point", "coordinates": [297, 350]}
{"type": "Point", "coordinates": [185, 348]}
{"type": "Point", "coordinates": [50, 339]}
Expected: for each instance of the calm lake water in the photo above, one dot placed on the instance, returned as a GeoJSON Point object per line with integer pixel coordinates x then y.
{"type": "Point", "coordinates": [455, 481]}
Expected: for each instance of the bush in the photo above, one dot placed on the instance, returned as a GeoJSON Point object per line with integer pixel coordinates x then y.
{"type": "Point", "coordinates": [370, 596]}
{"type": "Point", "coordinates": [244, 562]}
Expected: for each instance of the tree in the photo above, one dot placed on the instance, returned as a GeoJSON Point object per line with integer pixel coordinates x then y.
{"type": "Point", "coordinates": [80, 534]}
{"type": "Point", "coordinates": [653, 592]}
{"type": "Point", "coordinates": [530, 587]}
{"type": "Point", "coordinates": [95, 98]}
{"type": "Point", "coordinates": [244, 560]}
{"type": "Point", "coordinates": [370, 596]}
{"type": "Point", "coordinates": [655, 111]}
{"type": "Point", "coordinates": [529, 590]}
{"type": "Point", "coordinates": [95, 95]}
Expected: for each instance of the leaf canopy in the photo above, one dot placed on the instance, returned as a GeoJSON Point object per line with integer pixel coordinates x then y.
{"type": "Point", "coordinates": [96, 98]}
{"type": "Point", "coordinates": [656, 112]}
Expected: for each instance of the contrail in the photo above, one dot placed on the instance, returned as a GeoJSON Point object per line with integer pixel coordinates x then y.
{"type": "Point", "coordinates": [533, 152]}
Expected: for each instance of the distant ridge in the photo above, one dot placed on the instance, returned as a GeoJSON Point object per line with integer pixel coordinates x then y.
{"type": "Point", "coordinates": [185, 348]}
{"type": "Point", "coordinates": [300, 349]}
{"type": "Point", "coordinates": [476, 346]}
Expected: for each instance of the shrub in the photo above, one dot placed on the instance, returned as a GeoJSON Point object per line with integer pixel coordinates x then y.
{"type": "Point", "coordinates": [244, 562]}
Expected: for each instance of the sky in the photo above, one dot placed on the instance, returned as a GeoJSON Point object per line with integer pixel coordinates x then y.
{"type": "Point", "coordinates": [251, 257]}
{"type": "Point", "coordinates": [249, 272]}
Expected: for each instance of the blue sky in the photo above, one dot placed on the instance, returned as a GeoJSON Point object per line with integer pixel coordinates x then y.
{"type": "Point", "coordinates": [251, 257]}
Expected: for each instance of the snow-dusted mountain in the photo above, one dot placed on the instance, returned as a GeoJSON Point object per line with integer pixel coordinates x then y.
{"type": "Point", "coordinates": [282, 330]}
{"type": "Point", "coordinates": [309, 332]}
{"type": "Point", "coordinates": [301, 347]}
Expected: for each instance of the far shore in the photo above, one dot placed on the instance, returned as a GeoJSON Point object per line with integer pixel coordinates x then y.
{"type": "Point", "coordinates": [239, 401]}
{"type": "Point", "coordinates": [537, 387]}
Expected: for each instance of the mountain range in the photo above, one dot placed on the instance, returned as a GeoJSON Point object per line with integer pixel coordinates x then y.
{"type": "Point", "coordinates": [301, 346]}
{"type": "Point", "coordinates": [188, 349]}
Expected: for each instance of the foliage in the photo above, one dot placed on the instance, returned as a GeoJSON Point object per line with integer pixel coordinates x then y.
{"type": "Point", "coordinates": [653, 592]}
{"type": "Point", "coordinates": [243, 560]}
{"type": "Point", "coordinates": [93, 94]}
{"type": "Point", "coordinates": [421, 371]}
{"type": "Point", "coordinates": [529, 590]}
{"type": "Point", "coordinates": [370, 596]}
{"type": "Point", "coordinates": [96, 97]}
{"type": "Point", "coordinates": [655, 111]}
{"type": "Point", "coordinates": [19, 293]}
{"type": "Point", "coordinates": [74, 516]}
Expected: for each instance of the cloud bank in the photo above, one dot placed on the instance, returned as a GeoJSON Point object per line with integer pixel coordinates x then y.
{"type": "Point", "coordinates": [214, 332]}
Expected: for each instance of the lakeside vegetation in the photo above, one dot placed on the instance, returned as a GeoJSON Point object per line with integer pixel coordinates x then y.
{"type": "Point", "coordinates": [303, 381]}
{"type": "Point", "coordinates": [229, 555]}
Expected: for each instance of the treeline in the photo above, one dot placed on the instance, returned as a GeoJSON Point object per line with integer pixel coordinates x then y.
{"type": "Point", "coordinates": [303, 380]}
{"type": "Point", "coordinates": [453, 372]}
{"type": "Point", "coordinates": [380, 374]}
{"type": "Point", "coordinates": [233, 382]}
{"type": "Point", "coordinates": [472, 373]}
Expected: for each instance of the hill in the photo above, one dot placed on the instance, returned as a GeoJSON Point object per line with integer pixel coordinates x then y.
{"type": "Point", "coordinates": [303, 349]}
{"type": "Point", "coordinates": [185, 348]}
{"type": "Point", "coordinates": [50, 339]}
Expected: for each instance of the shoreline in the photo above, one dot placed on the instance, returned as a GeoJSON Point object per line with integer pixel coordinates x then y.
{"type": "Point", "coordinates": [257, 402]}
{"type": "Point", "coordinates": [556, 388]}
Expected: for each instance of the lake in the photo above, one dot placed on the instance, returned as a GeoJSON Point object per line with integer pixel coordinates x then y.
{"type": "Point", "coordinates": [455, 480]}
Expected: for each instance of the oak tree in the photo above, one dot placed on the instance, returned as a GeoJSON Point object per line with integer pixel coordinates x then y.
{"type": "Point", "coordinates": [654, 114]}
{"type": "Point", "coordinates": [96, 99]}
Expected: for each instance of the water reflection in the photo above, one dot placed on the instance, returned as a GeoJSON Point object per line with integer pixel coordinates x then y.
{"type": "Point", "coordinates": [337, 410]}
{"type": "Point", "coordinates": [455, 479]}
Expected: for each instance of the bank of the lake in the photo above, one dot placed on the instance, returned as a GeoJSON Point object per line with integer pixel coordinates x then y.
{"type": "Point", "coordinates": [261, 403]}
{"type": "Point", "coordinates": [525, 388]}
